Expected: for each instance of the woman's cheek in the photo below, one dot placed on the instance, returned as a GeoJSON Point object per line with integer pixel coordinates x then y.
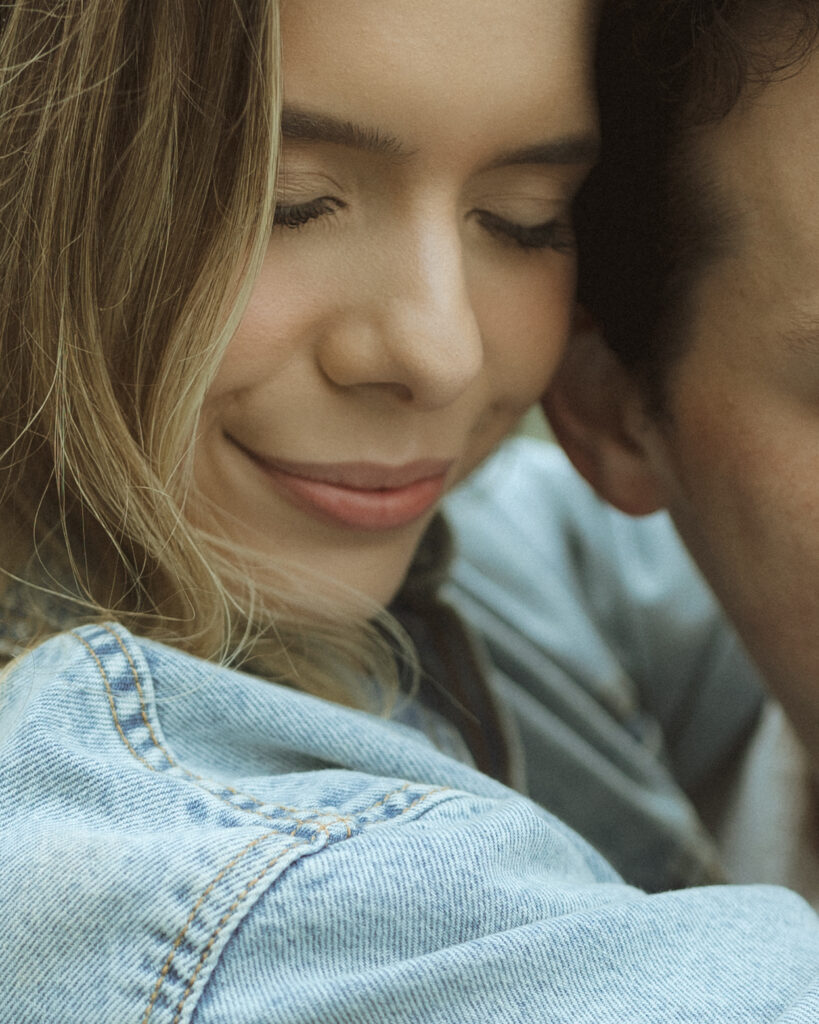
{"type": "Point", "coordinates": [529, 327]}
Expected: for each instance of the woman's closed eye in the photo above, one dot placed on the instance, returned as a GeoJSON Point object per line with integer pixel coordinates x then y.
{"type": "Point", "coordinates": [555, 233]}
{"type": "Point", "coordinates": [296, 215]}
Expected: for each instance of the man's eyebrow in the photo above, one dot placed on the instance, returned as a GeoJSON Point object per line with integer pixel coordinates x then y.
{"type": "Point", "coordinates": [311, 126]}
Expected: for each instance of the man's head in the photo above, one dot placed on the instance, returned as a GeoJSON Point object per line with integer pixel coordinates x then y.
{"type": "Point", "coordinates": [699, 238]}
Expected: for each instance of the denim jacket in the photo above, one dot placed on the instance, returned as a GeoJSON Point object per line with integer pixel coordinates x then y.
{"type": "Point", "coordinates": [182, 842]}
{"type": "Point", "coordinates": [185, 843]}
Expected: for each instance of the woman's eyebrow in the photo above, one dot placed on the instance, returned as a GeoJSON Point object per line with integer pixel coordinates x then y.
{"type": "Point", "coordinates": [311, 126]}
{"type": "Point", "coordinates": [301, 125]}
{"type": "Point", "coordinates": [582, 148]}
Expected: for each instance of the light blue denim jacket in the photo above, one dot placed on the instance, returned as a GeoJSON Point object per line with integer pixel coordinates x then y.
{"type": "Point", "coordinates": [181, 842]}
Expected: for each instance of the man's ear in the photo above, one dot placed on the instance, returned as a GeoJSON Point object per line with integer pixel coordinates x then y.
{"type": "Point", "coordinates": [597, 413]}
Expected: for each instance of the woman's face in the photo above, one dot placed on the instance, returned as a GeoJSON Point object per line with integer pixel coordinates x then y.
{"type": "Point", "coordinates": [417, 288]}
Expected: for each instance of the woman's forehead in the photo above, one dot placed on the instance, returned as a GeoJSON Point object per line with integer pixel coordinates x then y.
{"type": "Point", "coordinates": [464, 67]}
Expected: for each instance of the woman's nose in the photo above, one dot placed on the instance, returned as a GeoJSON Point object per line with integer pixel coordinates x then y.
{"type": "Point", "coordinates": [411, 329]}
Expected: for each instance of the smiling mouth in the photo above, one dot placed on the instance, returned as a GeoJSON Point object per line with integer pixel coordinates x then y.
{"type": "Point", "coordinates": [357, 495]}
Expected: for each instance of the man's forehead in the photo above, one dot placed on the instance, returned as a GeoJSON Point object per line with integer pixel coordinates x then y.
{"type": "Point", "coordinates": [762, 160]}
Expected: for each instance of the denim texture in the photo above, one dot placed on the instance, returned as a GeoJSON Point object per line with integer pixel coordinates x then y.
{"type": "Point", "coordinates": [624, 682]}
{"type": "Point", "coordinates": [181, 842]}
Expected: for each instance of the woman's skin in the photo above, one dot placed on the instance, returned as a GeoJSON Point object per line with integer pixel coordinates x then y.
{"type": "Point", "coordinates": [417, 290]}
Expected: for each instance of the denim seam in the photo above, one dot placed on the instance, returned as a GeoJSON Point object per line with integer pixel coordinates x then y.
{"type": "Point", "coordinates": [305, 815]}
{"type": "Point", "coordinates": [198, 906]}
{"type": "Point", "coordinates": [142, 707]}
{"type": "Point", "coordinates": [206, 785]}
{"type": "Point", "coordinates": [242, 896]}
{"type": "Point", "coordinates": [320, 829]}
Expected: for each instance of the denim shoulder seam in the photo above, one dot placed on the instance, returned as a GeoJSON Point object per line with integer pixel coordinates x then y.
{"type": "Point", "coordinates": [246, 889]}
{"type": "Point", "coordinates": [192, 983]}
{"type": "Point", "coordinates": [119, 690]}
{"type": "Point", "coordinates": [212, 910]}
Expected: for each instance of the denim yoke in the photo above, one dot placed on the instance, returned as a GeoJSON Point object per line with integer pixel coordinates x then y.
{"type": "Point", "coordinates": [182, 842]}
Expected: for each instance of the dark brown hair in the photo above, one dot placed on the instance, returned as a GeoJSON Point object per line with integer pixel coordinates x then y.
{"type": "Point", "coordinates": [649, 219]}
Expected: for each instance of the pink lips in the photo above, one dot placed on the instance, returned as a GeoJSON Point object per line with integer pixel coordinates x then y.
{"type": "Point", "coordinates": [360, 495]}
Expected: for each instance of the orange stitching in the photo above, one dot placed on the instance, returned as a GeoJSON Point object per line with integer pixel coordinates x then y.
{"type": "Point", "coordinates": [215, 881]}
{"type": "Point", "coordinates": [250, 885]}
{"type": "Point", "coordinates": [195, 910]}
{"type": "Point", "coordinates": [107, 683]}
{"type": "Point", "coordinates": [389, 796]}
{"type": "Point", "coordinates": [321, 827]}
{"type": "Point", "coordinates": [138, 685]}
{"type": "Point", "coordinates": [223, 921]}
{"type": "Point", "coordinates": [316, 812]}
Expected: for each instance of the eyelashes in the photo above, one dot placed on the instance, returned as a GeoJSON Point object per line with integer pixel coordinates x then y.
{"type": "Point", "coordinates": [553, 234]}
{"type": "Point", "coordinates": [299, 214]}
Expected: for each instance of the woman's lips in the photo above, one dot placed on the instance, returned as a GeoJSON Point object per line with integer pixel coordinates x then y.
{"type": "Point", "coordinates": [359, 495]}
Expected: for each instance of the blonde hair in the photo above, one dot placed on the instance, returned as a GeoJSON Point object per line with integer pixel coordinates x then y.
{"type": "Point", "coordinates": [138, 148]}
